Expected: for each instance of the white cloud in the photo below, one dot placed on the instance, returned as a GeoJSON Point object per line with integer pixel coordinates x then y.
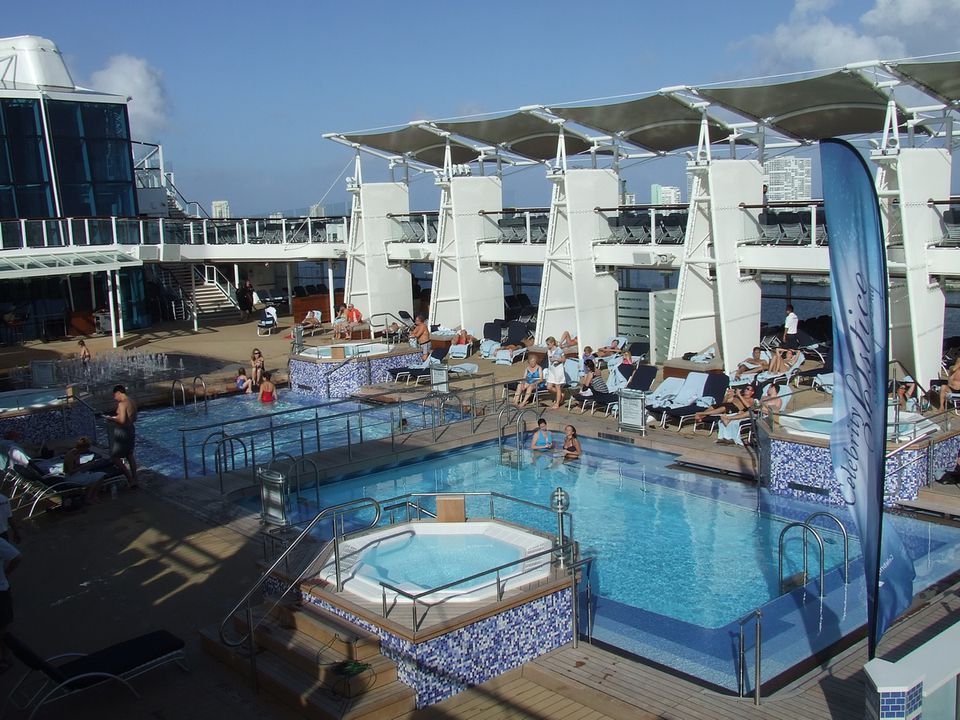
{"type": "Point", "coordinates": [891, 29]}
{"type": "Point", "coordinates": [143, 84]}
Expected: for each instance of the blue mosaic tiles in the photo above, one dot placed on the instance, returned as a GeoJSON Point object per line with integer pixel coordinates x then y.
{"type": "Point", "coordinates": [446, 665]}
{"type": "Point", "coordinates": [896, 704]}
{"type": "Point", "coordinates": [61, 421]}
{"type": "Point", "coordinates": [345, 378]}
{"type": "Point", "coordinates": [805, 471]}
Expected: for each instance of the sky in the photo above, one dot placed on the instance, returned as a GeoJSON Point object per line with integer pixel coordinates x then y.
{"type": "Point", "coordinates": [240, 93]}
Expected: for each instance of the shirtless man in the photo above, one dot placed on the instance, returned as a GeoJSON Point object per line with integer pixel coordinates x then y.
{"type": "Point", "coordinates": [752, 365]}
{"type": "Point", "coordinates": [952, 385]}
{"type": "Point", "coordinates": [421, 333]}
{"type": "Point", "coordinates": [124, 435]}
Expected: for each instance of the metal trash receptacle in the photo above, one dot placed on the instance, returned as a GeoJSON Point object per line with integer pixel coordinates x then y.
{"type": "Point", "coordinates": [273, 496]}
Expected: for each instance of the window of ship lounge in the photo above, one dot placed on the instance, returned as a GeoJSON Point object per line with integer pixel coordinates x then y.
{"type": "Point", "coordinates": [91, 150]}
{"type": "Point", "coordinates": [25, 190]}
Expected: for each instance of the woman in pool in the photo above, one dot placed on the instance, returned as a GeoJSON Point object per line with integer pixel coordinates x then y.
{"type": "Point", "coordinates": [571, 444]}
{"type": "Point", "coordinates": [268, 391]}
{"type": "Point", "coordinates": [256, 367]}
{"type": "Point", "coordinates": [541, 437]}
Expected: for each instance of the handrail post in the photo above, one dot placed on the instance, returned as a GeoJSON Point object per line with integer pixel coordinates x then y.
{"type": "Point", "coordinates": [253, 648]}
{"type": "Point", "coordinates": [757, 658]}
{"type": "Point", "coordinates": [349, 445]}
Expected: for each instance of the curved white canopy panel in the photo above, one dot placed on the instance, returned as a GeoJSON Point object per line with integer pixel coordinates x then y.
{"type": "Point", "coordinates": [829, 105]}
{"type": "Point", "coordinates": [658, 122]}
{"type": "Point", "coordinates": [43, 262]}
{"type": "Point", "coordinates": [415, 143]}
{"type": "Point", "coordinates": [521, 133]}
{"type": "Point", "coordinates": [940, 79]}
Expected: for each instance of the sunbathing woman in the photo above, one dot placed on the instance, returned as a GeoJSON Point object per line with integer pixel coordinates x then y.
{"type": "Point", "coordinates": [782, 361]}
{"type": "Point", "coordinates": [735, 400]}
{"type": "Point", "coordinates": [256, 366]}
{"type": "Point", "coordinates": [612, 349]}
{"type": "Point", "coordinates": [532, 380]}
{"type": "Point", "coordinates": [568, 340]}
{"type": "Point", "coordinates": [752, 365]}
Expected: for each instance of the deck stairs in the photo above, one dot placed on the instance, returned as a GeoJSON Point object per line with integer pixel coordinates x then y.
{"type": "Point", "coordinates": [212, 303]}
{"type": "Point", "coordinates": [301, 658]}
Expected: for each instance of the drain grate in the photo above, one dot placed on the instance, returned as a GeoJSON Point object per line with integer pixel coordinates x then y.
{"type": "Point", "coordinates": [616, 438]}
{"type": "Point", "coordinates": [808, 488]}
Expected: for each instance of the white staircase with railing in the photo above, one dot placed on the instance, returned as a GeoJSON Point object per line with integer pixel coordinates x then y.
{"type": "Point", "coordinates": [211, 301]}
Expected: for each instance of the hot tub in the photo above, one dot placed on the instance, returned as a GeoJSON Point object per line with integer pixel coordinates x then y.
{"type": "Point", "coordinates": [815, 422]}
{"type": "Point", "coordinates": [346, 350]}
{"type": "Point", "coordinates": [416, 557]}
{"type": "Point", "coordinates": [30, 399]}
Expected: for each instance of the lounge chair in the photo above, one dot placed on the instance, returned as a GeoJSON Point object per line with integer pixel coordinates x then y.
{"type": "Point", "coordinates": [642, 378]}
{"type": "Point", "coordinates": [736, 429]}
{"type": "Point", "coordinates": [492, 337]}
{"type": "Point", "coordinates": [418, 371]}
{"type": "Point", "coordinates": [784, 377]}
{"type": "Point", "coordinates": [269, 323]}
{"type": "Point", "coordinates": [664, 393]}
{"type": "Point", "coordinates": [823, 382]}
{"type": "Point", "coordinates": [516, 335]}
{"type": "Point", "coordinates": [713, 390]}
{"type": "Point", "coordinates": [32, 486]}
{"type": "Point", "coordinates": [690, 390]}
{"type": "Point", "coordinates": [70, 673]}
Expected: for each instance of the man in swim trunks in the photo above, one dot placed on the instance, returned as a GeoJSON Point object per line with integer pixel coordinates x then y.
{"type": "Point", "coordinates": [124, 436]}
{"type": "Point", "coordinates": [421, 333]}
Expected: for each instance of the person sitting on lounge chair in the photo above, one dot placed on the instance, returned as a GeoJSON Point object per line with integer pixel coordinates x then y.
{"type": "Point", "coordinates": [736, 400]}
{"type": "Point", "coordinates": [81, 468]}
{"type": "Point", "coordinates": [340, 323]}
{"type": "Point", "coordinates": [752, 365]}
{"type": "Point", "coordinates": [568, 340]}
{"type": "Point", "coordinates": [532, 381]}
{"type": "Point", "coordinates": [782, 361]}
{"type": "Point", "coordinates": [612, 349]}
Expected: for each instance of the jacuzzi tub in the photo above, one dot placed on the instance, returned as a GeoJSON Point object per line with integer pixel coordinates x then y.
{"type": "Point", "coordinates": [815, 422]}
{"type": "Point", "coordinates": [349, 350]}
{"type": "Point", "coordinates": [416, 557]}
{"type": "Point", "coordinates": [30, 399]}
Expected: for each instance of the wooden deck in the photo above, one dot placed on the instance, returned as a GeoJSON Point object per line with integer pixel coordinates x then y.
{"type": "Point", "coordinates": [573, 682]}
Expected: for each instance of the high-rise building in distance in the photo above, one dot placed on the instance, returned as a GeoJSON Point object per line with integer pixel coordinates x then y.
{"type": "Point", "coordinates": [220, 208]}
{"type": "Point", "coordinates": [787, 178]}
{"type": "Point", "coordinates": [664, 195]}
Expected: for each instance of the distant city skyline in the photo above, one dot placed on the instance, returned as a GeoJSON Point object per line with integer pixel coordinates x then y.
{"type": "Point", "coordinates": [664, 195]}
{"type": "Point", "coordinates": [220, 208]}
{"type": "Point", "coordinates": [237, 126]}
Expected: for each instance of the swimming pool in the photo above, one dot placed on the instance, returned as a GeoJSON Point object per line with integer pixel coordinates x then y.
{"type": "Point", "coordinates": [296, 420]}
{"type": "Point", "coordinates": [680, 557]}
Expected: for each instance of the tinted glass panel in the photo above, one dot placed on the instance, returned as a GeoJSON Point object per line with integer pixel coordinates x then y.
{"type": "Point", "coordinates": [77, 200]}
{"type": "Point", "coordinates": [28, 160]}
{"type": "Point", "coordinates": [104, 121]}
{"type": "Point", "coordinates": [34, 201]}
{"type": "Point", "coordinates": [64, 118]}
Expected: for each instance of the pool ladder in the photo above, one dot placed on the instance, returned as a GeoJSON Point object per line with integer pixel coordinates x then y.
{"type": "Point", "coordinates": [519, 427]}
{"type": "Point", "coordinates": [198, 380]}
{"type": "Point", "coordinates": [757, 615]}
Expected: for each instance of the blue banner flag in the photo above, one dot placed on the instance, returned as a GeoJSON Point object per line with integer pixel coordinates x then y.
{"type": "Point", "coordinates": [858, 294]}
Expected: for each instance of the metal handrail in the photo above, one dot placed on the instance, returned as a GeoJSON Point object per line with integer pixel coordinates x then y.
{"type": "Point", "coordinates": [500, 425]}
{"type": "Point", "coordinates": [819, 540]}
{"type": "Point", "coordinates": [415, 597]}
{"type": "Point", "coordinates": [846, 539]}
{"type": "Point", "coordinates": [220, 451]}
{"type": "Point", "coordinates": [521, 418]}
{"type": "Point", "coordinates": [335, 510]}
{"type": "Point", "coordinates": [206, 399]}
{"type": "Point", "coordinates": [293, 470]}
{"type": "Point", "coordinates": [757, 615]}
{"type": "Point", "coordinates": [406, 505]}
{"type": "Point", "coordinates": [183, 393]}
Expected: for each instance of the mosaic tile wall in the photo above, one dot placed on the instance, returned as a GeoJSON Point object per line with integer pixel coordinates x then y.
{"type": "Point", "coordinates": [345, 379]}
{"type": "Point", "coordinates": [793, 464]}
{"type": "Point", "coordinates": [890, 704]}
{"type": "Point", "coordinates": [444, 666]}
{"type": "Point", "coordinates": [58, 422]}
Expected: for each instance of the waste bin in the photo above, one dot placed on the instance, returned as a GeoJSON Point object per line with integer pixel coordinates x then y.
{"type": "Point", "coordinates": [273, 496]}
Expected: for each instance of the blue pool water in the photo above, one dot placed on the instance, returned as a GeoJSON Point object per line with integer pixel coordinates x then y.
{"type": "Point", "coordinates": [296, 419]}
{"type": "Point", "coordinates": [429, 561]}
{"type": "Point", "coordinates": [680, 557]}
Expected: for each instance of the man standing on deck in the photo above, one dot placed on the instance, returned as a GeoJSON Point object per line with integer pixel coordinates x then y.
{"type": "Point", "coordinates": [124, 435]}
{"type": "Point", "coordinates": [790, 329]}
